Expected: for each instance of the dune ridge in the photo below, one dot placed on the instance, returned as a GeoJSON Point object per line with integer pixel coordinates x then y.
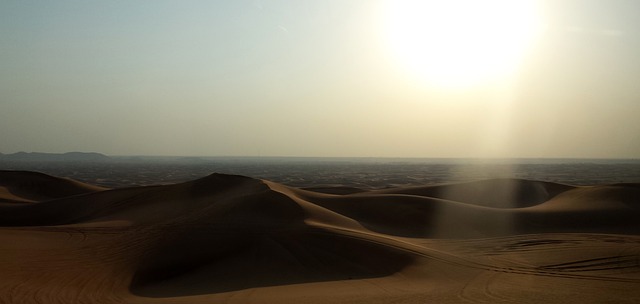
{"type": "Point", "coordinates": [235, 239]}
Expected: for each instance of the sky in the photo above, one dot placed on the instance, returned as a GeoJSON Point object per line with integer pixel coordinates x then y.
{"type": "Point", "coordinates": [332, 78]}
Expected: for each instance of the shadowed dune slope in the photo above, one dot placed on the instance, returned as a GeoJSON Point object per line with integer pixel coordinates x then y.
{"type": "Point", "coordinates": [488, 208]}
{"type": "Point", "coordinates": [135, 205]}
{"type": "Point", "coordinates": [497, 193]}
{"type": "Point", "coordinates": [224, 235]}
{"type": "Point", "coordinates": [24, 186]}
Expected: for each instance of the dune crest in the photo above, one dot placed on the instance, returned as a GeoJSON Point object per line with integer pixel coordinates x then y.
{"type": "Point", "coordinates": [224, 237]}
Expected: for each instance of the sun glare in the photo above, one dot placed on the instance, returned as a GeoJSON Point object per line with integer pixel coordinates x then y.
{"type": "Point", "coordinates": [460, 43]}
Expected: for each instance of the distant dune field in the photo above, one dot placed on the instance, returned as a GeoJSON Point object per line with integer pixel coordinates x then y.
{"type": "Point", "coordinates": [234, 239]}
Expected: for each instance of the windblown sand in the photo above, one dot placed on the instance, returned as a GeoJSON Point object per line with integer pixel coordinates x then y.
{"type": "Point", "coordinates": [233, 239]}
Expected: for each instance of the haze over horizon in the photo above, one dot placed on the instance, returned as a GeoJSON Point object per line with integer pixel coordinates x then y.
{"type": "Point", "coordinates": [539, 79]}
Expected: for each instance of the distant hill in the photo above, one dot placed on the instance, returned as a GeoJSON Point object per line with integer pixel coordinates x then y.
{"type": "Point", "coordinates": [69, 156]}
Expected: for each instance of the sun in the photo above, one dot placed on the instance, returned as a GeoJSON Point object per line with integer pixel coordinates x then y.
{"type": "Point", "coordinates": [460, 43]}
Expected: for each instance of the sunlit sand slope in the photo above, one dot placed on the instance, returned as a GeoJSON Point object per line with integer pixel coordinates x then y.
{"type": "Point", "coordinates": [233, 239]}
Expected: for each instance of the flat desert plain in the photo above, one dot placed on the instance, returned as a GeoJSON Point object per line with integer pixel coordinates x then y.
{"type": "Point", "coordinates": [235, 239]}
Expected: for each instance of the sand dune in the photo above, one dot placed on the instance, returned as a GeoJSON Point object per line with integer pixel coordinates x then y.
{"type": "Point", "coordinates": [497, 193]}
{"type": "Point", "coordinates": [234, 239]}
{"type": "Point", "coordinates": [24, 186]}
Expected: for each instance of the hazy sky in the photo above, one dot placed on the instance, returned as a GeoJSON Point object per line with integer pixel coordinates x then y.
{"type": "Point", "coordinates": [321, 78]}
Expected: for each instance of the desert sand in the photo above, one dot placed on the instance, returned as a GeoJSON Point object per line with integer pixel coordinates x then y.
{"type": "Point", "coordinates": [234, 239]}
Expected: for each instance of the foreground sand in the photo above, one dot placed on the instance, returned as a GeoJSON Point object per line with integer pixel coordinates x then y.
{"type": "Point", "coordinates": [233, 239]}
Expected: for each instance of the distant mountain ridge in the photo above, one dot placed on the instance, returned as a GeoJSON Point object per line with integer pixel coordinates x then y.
{"type": "Point", "coordinates": [69, 156]}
